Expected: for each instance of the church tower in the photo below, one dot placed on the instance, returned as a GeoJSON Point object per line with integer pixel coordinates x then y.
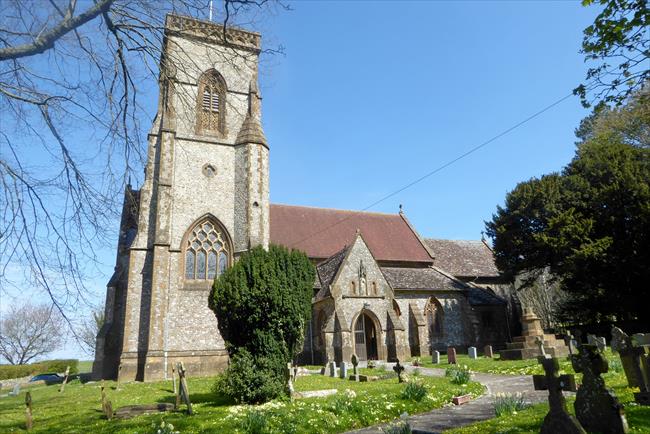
{"type": "Point", "coordinates": [204, 201]}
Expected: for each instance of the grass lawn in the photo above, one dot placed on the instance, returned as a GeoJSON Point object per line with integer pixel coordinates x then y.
{"type": "Point", "coordinates": [505, 367]}
{"type": "Point", "coordinates": [530, 419]}
{"type": "Point", "coordinates": [77, 410]}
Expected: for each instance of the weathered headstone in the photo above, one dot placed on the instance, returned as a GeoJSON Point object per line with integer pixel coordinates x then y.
{"type": "Point", "coordinates": [355, 367]}
{"type": "Point", "coordinates": [558, 420]}
{"type": "Point", "coordinates": [569, 341]}
{"type": "Point", "coordinates": [182, 383]}
{"type": "Point", "coordinates": [488, 352]}
{"type": "Point", "coordinates": [174, 380]}
{"type": "Point", "coordinates": [451, 355]}
{"type": "Point", "coordinates": [399, 369]}
{"type": "Point", "coordinates": [28, 411]}
{"type": "Point", "coordinates": [540, 343]}
{"type": "Point", "coordinates": [435, 358]}
{"type": "Point", "coordinates": [107, 407]}
{"type": "Point", "coordinates": [596, 407]}
{"type": "Point", "coordinates": [471, 352]}
{"type": "Point", "coordinates": [332, 369]}
{"type": "Point", "coordinates": [15, 391]}
{"type": "Point", "coordinates": [65, 379]}
{"type": "Point", "coordinates": [599, 342]}
{"type": "Point", "coordinates": [344, 370]}
{"type": "Point", "coordinates": [635, 361]}
{"type": "Point", "coordinates": [289, 379]}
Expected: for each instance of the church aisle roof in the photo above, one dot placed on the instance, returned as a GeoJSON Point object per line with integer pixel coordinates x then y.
{"type": "Point", "coordinates": [321, 232]}
{"type": "Point", "coordinates": [463, 258]}
{"type": "Point", "coordinates": [420, 278]}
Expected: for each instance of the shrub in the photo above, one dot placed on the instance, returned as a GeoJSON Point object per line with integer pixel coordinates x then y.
{"type": "Point", "coordinates": [416, 361]}
{"type": "Point", "coordinates": [458, 374]}
{"type": "Point", "coordinates": [371, 364]}
{"type": "Point", "coordinates": [414, 391]}
{"type": "Point", "coordinates": [255, 422]}
{"type": "Point", "coordinates": [251, 380]}
{"type": "Point", "coordinates": [506, 404]}
{"type": "Point", "coordinates": [262, 304]}
{"type": "Point", "coordinates": [163, 428]}
{"type": "Point", "coordinates": [18, 371]}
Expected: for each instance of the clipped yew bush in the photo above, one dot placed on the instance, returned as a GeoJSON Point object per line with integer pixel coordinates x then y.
{"type": "Point", "coordinates": [263, 306]}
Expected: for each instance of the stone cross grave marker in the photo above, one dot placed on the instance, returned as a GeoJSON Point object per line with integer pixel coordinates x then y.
{"type": "Point", "coordinates": [185, 394]}
{"type": "Point", "coordinates": [598, 341]}
{"type": "Point", "coordinates": [488, 352]}
{"type": "Point", "coordinates": [471, 352]}
{"type": "Point", "coordinates": [355, 367]}
{"type": "Point", "coordinates": [28, 411]}
{"type": "Point", "coordinates": [635, 361]}
{"type": "Point", "coordinates": [344, 370]}
{"type": "Point", "coordinates": [451, 355]}
{"type": "Point", "coordinates": [174, 380]}
{"type": "Point", "coordinates": [596, 407]}
{"type": "Point", "coordinates": [65, 379]}
{"type": "Point", "coordinates": [399, 369]}
{"type": "Point", "coordinates": [435, 358]}
{"type": "Point", "coordinates": [558, 420]}
{"type": "Point", "coordinates": [332, 369]}
{"type": "Point", "coordinates": [540, 343]}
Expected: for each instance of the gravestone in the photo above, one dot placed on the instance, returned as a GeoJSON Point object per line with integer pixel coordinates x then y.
{"type": "Point", "coordinates": [571, 343]}
{"type": "Point", "coordinates": [596, 407]}
{"type": "Point", "coordinates": [471, 351]}
{"type": "Point", "coordinates": [332, 369]}
{"type": "Point", "coordinates": [525, 347]}
{"type": "Point", "coordinates": [182, 385]}
{"type": "Point", "coordinates": [540, 343]}
{"type": "Point", "coordinates": [174, 380]}
{"type": "Point", "coordinates": [344, 370]}
{"type": "Point", "coordinates": [28, 411]}
{"type": "Point", "coordinates": [355, 367]}
{"type": "Point", "coordinates": [15, 391]}
{"type": "Point", "coordinates": [487, 351]}
{"type": "Point", "coordinates": [451, 355]}
{"type": "Point", "coordinates": [65, 379]}
{"type": "Point", "coordinates": [635, 361]}
{"type": "Point", "coordinates": [399, 369]}
{"type": "Point", "coordinates": [558, 420]}
{"type": "Point", "coordinates": [435, 358]}
{"type": "Point", "coordinates": [288, 374]}
{"type": "Point", "coordinates": [107, 407]}
{"type": "Point", "coordinates": [599, 342]}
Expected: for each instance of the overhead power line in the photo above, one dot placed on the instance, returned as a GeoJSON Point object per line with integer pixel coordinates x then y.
{"type": "Point", "coordinates": [444, 166]}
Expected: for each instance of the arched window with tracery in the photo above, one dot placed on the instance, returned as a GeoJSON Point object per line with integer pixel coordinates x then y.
{"type": "Point", "coordinates": [435, 315]}
{"type": "Point", "coordinates": [211, 104]}
{"type": "Point", "coordinates": [207, 251]}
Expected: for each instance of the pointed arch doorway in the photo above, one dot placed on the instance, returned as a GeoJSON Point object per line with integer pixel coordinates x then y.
{"type": "Point", "coordinates": [365, 338]}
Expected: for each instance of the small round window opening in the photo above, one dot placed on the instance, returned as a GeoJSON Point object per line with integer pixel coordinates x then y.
{"type": "Point", "coordinates": [209, 171]}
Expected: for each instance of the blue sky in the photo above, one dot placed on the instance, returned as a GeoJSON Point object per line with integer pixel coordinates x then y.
{"type": "Point", "coordinates": [372, 95]}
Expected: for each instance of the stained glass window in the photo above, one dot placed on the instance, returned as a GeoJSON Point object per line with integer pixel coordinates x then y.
{"type": "Point", "coordinates": [205, 244]}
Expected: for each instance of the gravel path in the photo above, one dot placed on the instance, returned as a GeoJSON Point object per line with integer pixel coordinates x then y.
{"type": "Point", "coordinates": [482, 408]}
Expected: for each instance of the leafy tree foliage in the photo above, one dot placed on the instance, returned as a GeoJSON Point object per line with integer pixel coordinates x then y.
{"type": "Point", "coordinates": [589, 224]}
{"type": "Point", "coordinates": [263, 304]}
{"type": "Point", "coordinates": [619, 44]}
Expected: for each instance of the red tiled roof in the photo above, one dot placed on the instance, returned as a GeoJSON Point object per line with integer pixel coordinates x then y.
{"type": "Point", "coordinates": [321, 232]}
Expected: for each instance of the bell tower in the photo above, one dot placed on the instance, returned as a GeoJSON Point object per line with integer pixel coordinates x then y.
{"type": "Point", "coordinates": [204, 201]}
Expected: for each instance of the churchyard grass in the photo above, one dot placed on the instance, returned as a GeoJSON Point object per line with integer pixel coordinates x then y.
{"type": "Point", "coordinates": [530, 419]}
{"type": "Point", "coordinates": [497, 366]}
{"type": "Point", "coordinates": [356, 405]}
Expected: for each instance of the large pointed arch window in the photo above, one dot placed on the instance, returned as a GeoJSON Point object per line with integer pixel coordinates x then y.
{"type": "Point", "coordinates": [207, 251]}
{"type": "Point", "coordinates": [211, 104]}
{"type": "Point", "coordinates": [434, 314]}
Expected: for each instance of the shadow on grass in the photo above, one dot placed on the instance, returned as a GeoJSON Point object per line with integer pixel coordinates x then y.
{"type": "Point", "coordinates": [211, 399]}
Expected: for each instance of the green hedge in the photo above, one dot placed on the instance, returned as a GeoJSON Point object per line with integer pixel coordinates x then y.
{"type": "Point", "coordinates": [18, 371]}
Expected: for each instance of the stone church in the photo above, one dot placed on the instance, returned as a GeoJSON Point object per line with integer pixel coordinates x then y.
{"type": "Point", "coordinates": [382, 291]}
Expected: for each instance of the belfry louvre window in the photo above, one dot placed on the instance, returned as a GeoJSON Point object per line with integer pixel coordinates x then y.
{"type": "Point", "coordinates": [210, 116]}
{"type": "Point", "coordinates": [206, 252]}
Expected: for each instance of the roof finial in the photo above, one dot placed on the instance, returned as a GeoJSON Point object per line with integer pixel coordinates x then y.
{"type": "Point", "coordinates": [401, 209]}
{"type": "Point", "coordinates": [482, 235]}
